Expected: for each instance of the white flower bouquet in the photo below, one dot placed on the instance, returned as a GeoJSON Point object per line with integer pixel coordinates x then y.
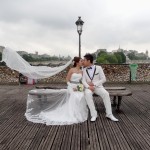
{"type": "Point", "coordinates": [80, 87]}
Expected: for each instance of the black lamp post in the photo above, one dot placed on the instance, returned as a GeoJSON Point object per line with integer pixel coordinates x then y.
{"type": "Point", "coordinates": [79, 24]}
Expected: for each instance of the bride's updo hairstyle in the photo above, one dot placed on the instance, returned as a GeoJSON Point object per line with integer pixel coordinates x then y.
{"type": "Point", "coordinates": [75, 61]}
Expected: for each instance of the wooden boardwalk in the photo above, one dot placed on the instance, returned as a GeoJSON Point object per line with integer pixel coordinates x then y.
{"type": "Point", "coordinates": [132, 132]}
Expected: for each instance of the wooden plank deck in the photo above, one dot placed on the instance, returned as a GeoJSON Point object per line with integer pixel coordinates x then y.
{"type": "Point", "coordinates": [132, 132]}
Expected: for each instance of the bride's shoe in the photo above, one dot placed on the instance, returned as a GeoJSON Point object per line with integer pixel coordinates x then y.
{"type": "Point", "coordinates": [111, 117]}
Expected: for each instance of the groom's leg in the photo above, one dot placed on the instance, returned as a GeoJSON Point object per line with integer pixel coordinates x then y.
{"type": "Point", "coordinates": [90, 102]}
{"type": "Point", "coordinates": [106, 99]}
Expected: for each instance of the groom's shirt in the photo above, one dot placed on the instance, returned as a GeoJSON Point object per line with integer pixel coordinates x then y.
{"type": "Point", "coordinates": [91, 71]}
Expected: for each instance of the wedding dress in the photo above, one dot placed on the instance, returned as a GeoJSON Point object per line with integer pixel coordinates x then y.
{"type": "Point", "coordinates": [57, 107]}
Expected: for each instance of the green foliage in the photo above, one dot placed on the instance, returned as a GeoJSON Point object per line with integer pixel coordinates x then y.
{"type": "Point", "coordinates": [102, 60]}
{"type": "Point", "coordinates": [118, 56]}
{"type": "Point", "coordinates": [102, 53]}
{"type": "Point", "coordinates": [122, 56]}
{"type": "Point", "coordinates": [132, 56]}
{"type": "Point", "coordinates": [112, 59]}
{"type": "Point", "coordinates": [28, 57]}
{"type": "Point", "coordinates": [106, 58]}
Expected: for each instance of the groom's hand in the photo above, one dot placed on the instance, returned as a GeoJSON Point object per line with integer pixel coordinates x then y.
{"type": "Point", "coordinates": [92, 88]}
{"type": "Point", "coordinates": [90, 84]}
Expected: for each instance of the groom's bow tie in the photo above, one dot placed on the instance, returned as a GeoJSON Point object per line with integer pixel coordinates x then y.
{"type": "Point", "coordinates": [89, 68]}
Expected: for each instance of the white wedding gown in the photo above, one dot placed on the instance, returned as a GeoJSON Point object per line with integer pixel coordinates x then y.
{"type": "Point", "coordinates": [57, 107]}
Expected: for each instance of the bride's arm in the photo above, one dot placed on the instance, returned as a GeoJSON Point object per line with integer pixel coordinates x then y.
{"type": "Point", "coordinates": [69, 77]}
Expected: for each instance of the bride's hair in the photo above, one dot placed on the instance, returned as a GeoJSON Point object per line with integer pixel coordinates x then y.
{"type": "Point", "coordinates": [75, 61]}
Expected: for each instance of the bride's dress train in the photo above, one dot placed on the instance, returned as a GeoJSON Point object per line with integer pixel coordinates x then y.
{"type": "Point", "coordinates": [57, 107]}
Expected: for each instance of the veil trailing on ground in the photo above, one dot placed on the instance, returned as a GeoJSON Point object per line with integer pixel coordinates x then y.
{"type": "Point", "coordinates": [49, 106]}
{"type": "Point", "coordinates": [14, 61]}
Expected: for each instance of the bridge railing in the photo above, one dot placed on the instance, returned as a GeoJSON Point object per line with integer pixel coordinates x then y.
{"type": "Point", "coordinates": [114, 73]}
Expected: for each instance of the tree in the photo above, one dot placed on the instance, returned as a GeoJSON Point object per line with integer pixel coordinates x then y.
{"type": "Point", "coordinates": [102, 53]}
{"type": "Point", "coordinates": [123, 57]}
{"type": "Point", "coordinates": [107, 58]}
{"type": "Point", "coordinates": [119, 57]}
{"type": "Point", "coordinates": [131, 56]}
{"type": "Point", "coordinates": [111, 58]}
{"type": "Point", "coordinates": [102, 60]}
{"type": "Point", "coordinates": [28, 57]}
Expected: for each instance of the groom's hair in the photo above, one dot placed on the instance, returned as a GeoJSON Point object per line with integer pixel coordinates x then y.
{"type": "Point", "coordinates": [88, 56]}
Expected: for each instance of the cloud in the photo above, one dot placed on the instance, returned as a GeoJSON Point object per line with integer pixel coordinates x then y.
{"type": "Point", "coordinates": [48, 26]}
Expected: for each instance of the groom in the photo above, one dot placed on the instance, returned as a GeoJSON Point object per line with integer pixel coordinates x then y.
{"type": "Point", "coordinates": [93, 79]}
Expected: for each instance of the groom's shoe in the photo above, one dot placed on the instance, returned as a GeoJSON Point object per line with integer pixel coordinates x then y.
{"type": "Point", "coordinates": [93, 118]}
{"type": "Point", "coordinates": [111, 117]}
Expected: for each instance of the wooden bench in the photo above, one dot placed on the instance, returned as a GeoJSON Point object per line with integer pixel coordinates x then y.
{"type": "Point", "coordinates": [116, 92]}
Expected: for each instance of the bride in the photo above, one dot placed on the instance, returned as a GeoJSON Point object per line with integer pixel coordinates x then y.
{"type": "Point", "coordinates": [62, 107]}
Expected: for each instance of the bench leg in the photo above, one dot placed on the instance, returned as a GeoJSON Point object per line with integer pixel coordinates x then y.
{"type": "Point", "coordinates": [114, 102]}
{"type": "Point", "coordinates": [119, 103]}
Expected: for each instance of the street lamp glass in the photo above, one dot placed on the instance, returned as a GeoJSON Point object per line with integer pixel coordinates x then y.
{"type": "Point", "coordinates": [79, 24]}
{"type": "Point", "coordinates": [79, 28]}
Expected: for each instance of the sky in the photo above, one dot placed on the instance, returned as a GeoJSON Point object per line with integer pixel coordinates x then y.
{"type": "Point", "coordinates": [48, 26]}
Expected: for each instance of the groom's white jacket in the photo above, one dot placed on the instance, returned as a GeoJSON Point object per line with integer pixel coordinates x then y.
{"type": "Point", "coordinates": [98, 77]}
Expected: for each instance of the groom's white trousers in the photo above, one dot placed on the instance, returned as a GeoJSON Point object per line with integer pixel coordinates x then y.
{"type": "Point", "coordinates": [103, 94]}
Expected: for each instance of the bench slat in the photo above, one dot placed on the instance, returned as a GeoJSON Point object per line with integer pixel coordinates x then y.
{"type": "Point", "coordinates": [107, 88]}
{"type": "Point", "coordinates": [115, 88]}
{"type": "Point", "coordinates": [120, 92]}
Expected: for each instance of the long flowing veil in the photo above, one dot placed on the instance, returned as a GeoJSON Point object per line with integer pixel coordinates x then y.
{"type": "Point", "coordinates": [14, 61]}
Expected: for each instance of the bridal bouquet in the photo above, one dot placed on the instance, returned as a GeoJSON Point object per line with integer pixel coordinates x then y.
{"type": "Point", "coordinates": [80, 87]}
